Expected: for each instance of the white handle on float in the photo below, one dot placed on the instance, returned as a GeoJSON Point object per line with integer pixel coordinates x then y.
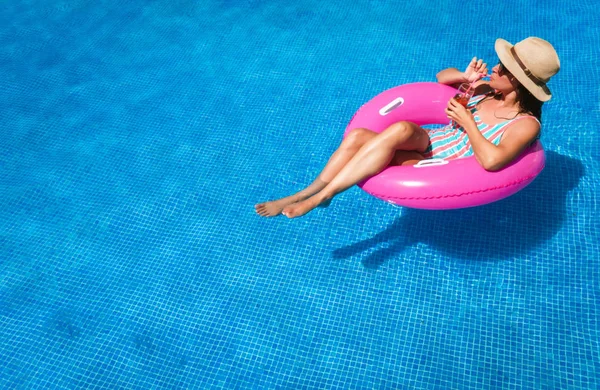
{"type": "Point", "coordinates": [432, 162]}
{"type": "Point", "coordinates": [391, 106]}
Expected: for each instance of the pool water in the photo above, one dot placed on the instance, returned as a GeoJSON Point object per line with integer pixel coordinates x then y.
{"type": "Point", "coordinates": [137, 137]}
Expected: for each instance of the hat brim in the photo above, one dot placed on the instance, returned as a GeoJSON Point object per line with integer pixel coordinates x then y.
{"type": "Point", "coordinates": [502, 47]}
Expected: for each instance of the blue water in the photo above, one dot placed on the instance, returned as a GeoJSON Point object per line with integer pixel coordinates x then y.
{"type": "Point", "coordinates": [137, 136]}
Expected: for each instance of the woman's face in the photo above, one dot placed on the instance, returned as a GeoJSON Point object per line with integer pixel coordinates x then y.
{"type": "Point", "coordinates": [502, 80]}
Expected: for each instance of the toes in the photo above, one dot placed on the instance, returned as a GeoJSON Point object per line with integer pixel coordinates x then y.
{"type": "Point", "coordinates": [267, 212]}
{"type": "Point", "coordinates": [261, 211]}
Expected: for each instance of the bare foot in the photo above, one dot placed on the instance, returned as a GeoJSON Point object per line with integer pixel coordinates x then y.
{"type": "Point", "coordinates": [274, 207]}
{"type": "Point", "coordinates": [300, 208]}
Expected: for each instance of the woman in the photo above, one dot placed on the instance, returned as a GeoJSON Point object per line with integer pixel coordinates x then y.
{"type": "Point", "coordinates": [499, 122]}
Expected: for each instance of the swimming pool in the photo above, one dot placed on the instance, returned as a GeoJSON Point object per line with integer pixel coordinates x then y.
{"type": "Point", "coordinates": [137, 136]}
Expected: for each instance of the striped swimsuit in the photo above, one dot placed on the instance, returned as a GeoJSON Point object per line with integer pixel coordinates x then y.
{"type": "Point", "coordinates": [450, 142]}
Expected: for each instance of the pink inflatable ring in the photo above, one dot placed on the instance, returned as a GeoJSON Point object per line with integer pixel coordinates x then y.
{"type": "Point", "coordinates": [437, 184]}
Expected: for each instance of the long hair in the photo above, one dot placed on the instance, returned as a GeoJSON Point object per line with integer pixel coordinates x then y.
{"type": "Point", "coordinates": [528, 104]}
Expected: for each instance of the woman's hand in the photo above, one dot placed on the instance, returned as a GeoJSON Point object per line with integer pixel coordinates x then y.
{"type": "Point", "coordinates": [459, 114]}
{"type": "Point", "coordinates": [476, 70]}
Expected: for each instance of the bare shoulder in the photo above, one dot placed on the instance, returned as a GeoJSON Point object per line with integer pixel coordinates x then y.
{"type": "Point", "coordinates": [523, 129]}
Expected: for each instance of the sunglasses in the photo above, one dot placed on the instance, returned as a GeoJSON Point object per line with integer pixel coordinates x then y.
{"type": "Point", "coordinates": [502, 69]}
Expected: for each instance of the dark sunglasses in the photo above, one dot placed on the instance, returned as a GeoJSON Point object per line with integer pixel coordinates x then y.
{"type": "Point", "coordinates": [502, 69]}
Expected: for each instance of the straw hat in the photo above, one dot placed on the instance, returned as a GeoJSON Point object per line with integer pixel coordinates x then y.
{"type": "Point", "coordinates": [532, 61]}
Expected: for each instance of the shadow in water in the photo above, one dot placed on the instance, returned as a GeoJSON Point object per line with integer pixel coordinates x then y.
{"type": "Point", "coordinates": [507, 228]}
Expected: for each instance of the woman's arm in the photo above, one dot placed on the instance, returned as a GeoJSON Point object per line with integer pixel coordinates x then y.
{"type": "Point", "coordinates": [451, 76]}
{"type": "Point", "coordinates": [515, 139]}
{"type": "Point", "coordinates": [475, 70]}
{"type": "Point", "coordinates": [517, 136]}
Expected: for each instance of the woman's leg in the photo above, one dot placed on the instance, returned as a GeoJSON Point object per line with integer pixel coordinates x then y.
{"type": "Point", "coordinates": [400, 144]}
{"type": "Point", "coordinates": [348, 148]}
